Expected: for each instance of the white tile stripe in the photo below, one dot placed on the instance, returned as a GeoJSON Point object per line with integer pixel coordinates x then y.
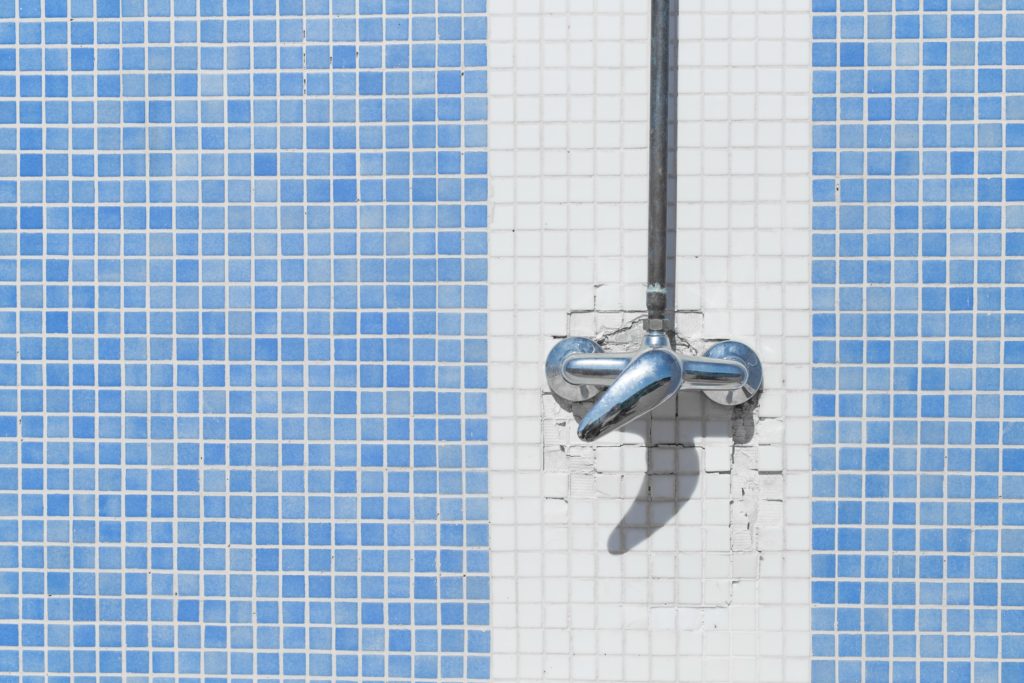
{"type": "Point", "coordinates": [721, 591]}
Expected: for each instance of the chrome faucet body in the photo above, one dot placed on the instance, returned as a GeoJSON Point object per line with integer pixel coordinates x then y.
{"type": "Point", "coordinates": [629, 385]}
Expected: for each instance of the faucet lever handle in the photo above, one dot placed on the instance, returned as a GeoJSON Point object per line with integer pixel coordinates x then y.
{"type": "Point", "coordinates": [649, 380]}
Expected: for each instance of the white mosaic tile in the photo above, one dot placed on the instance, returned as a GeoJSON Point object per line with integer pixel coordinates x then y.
{"type": "Point", "coordinates": [686, 559]}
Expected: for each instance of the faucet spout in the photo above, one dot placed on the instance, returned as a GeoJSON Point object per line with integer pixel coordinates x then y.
{"type": "Point", "coordinates": [649, 380]}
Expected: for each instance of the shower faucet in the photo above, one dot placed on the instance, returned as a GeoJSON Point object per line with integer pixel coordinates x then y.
{"type": "Point", "coordinates": [630, 385]}
{"type": "Point", "coordinates": [626, 386]}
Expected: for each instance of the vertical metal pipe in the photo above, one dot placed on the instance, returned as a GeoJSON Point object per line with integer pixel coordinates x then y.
{"type": "Point", "coordinates": [657, 225]}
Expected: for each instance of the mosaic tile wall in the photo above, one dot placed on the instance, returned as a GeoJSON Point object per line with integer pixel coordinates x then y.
{"type": "Point", "coordinates": [242, 319]}
{"type": "Point", "coordinates": [918, 549]}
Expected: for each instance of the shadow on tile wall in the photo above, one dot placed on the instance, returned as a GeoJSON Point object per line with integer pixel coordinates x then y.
{"type": "Point", "coordinates": [670, 482]}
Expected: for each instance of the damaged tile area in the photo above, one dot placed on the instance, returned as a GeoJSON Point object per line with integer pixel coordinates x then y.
{"type": "Point", "coordinates": [695, 465]}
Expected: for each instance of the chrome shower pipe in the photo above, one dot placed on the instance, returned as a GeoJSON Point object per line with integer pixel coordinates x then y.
{"type": "Point", "coordinates": [657, 200]}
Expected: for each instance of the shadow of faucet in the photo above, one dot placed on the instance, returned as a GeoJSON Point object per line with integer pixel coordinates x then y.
{"type": "Point", "coordinates": [669, 483]}
{"type": "Point", "coordinates": [673, 464]}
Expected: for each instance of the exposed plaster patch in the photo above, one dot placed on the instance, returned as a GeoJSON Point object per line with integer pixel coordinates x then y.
{"type": "Point", "coordinates": [740, 494]}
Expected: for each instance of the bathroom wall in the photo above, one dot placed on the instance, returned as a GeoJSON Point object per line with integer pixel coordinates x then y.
{"type": "Point", "coordinates": [242, 340]}
{"type": "Point", "coordinates": [278, 278]}
{"type": "Point", "coordinates": [678, 550]}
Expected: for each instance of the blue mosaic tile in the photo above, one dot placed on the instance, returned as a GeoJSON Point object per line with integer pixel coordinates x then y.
{"type": "Point", "coordinates": [918, 564]}
{"type": "Point", "coordinates": [242, 340]}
